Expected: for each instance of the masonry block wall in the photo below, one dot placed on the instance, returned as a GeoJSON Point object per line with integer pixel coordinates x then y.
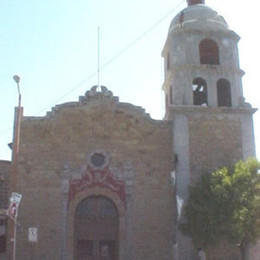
{"type": "Point", "coordinates": [65, 138]}
{"type": "Point", "coordinates": [215, 141]}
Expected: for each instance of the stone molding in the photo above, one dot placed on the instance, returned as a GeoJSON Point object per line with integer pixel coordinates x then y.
{"type": "Point", "coordinates": [125, 180]}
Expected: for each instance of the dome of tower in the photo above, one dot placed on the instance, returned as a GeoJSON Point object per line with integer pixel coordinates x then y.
{"type": "Point", "coordinates": [198, 17]}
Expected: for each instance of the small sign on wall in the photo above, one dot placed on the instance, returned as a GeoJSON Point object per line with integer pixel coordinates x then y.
{"type": "Point", "coordinates": [16, 198]}
{"type": "Point", "coordinates": [32, 234]}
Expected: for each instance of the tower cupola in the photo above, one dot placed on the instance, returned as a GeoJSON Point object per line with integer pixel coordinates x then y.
{"type": "Point", "coordinates": [201, 60]}
{"type": "Point", "coordinates": [195, 2]}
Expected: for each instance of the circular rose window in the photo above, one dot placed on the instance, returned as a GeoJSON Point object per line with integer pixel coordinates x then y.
{"type": "Point", "coordinates": [98, 160]}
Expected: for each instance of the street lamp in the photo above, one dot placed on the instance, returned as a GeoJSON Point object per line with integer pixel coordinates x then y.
{"type": "Point", "coordinates": [17, 80]}
{"type": "Point", "coordinates": [15, 152]}
{"type": "Point", "coordinates": [16, 138]}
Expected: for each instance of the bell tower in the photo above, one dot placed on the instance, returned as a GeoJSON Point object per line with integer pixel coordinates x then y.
{"type": "Point", "coordinates": [201, 60]}
{"type": "Point", "coordinates": [212, 124]}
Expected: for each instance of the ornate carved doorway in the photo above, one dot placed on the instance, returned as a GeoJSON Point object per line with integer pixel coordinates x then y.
{"type": "Point", "coordinates": [96, 229]}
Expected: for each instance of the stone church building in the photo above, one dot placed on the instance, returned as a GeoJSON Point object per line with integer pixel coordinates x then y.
{"type": "Point", "coordinates": [102, 180]}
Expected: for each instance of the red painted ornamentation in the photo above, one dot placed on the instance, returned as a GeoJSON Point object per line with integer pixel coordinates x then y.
{"type": "Point", "coordinates": [102, 178]}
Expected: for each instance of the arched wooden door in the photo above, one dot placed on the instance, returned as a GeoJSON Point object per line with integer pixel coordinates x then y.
{"type": "Point", "coordinates": [96, 229]}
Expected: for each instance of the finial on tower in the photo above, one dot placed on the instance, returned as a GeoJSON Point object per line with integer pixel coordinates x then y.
{"type": "Point", "coordinates": [195, 2]}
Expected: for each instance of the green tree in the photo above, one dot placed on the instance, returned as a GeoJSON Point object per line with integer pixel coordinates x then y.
{"type": "Point", "coordinates": [225, 205]}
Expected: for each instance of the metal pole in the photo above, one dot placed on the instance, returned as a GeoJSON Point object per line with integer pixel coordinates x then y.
{"type": "Point", "coordinates": [16, 141]}
{"type": "Point", "coordinates": [32, 250]}
{"type": "Point", "coordinates": [15, 151]}
{"type": "Point", "coordinates": [14, 243]}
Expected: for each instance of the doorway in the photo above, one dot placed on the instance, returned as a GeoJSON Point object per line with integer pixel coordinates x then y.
{"type": "Point", "coordinates": [96, 229]}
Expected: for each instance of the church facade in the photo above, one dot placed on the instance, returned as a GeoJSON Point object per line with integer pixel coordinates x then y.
{"type": "Point", "coordinates": [100, 179]}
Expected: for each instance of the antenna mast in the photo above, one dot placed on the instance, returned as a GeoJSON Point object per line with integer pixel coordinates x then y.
{"type": "Point", "coordinates": [98, 70]}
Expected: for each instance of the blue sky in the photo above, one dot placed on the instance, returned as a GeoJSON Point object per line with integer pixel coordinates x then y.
{"type": "Point", "coordinates": [52, 45]}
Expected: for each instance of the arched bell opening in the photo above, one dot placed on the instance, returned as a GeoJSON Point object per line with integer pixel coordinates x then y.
{"type": "Point", "coordinates": [200, 93]}
{"type": "Point", "coordinates": [224, 93]}
{"type": "Point", "coordinates": [209, 52]}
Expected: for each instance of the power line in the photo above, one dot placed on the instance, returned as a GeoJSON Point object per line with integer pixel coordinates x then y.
{"type": "Point", "coordinates": [115, 57]}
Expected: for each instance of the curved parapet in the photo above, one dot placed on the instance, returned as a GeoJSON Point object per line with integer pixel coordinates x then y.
{"type": "Point", "coordinates": [103, 99]}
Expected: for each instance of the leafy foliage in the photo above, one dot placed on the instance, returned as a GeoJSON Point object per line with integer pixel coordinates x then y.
{"type": "Point", "coordinates": [225, 205]}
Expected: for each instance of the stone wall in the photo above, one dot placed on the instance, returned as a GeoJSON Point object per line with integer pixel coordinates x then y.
{"type": "Point", "coordinates": [215, 141]}
{"type": "Point", "coordinates": [64, 139]}
{"type": "Point", "coordinates": [205, 139]}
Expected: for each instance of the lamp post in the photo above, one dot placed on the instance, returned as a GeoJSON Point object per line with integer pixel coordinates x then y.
{"type": "Point", "coordinates": [15, 152]}
{"type": "Point", "coordinates": [17, 125]}
{"type": "Point", "coordinates": [17, 80]}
